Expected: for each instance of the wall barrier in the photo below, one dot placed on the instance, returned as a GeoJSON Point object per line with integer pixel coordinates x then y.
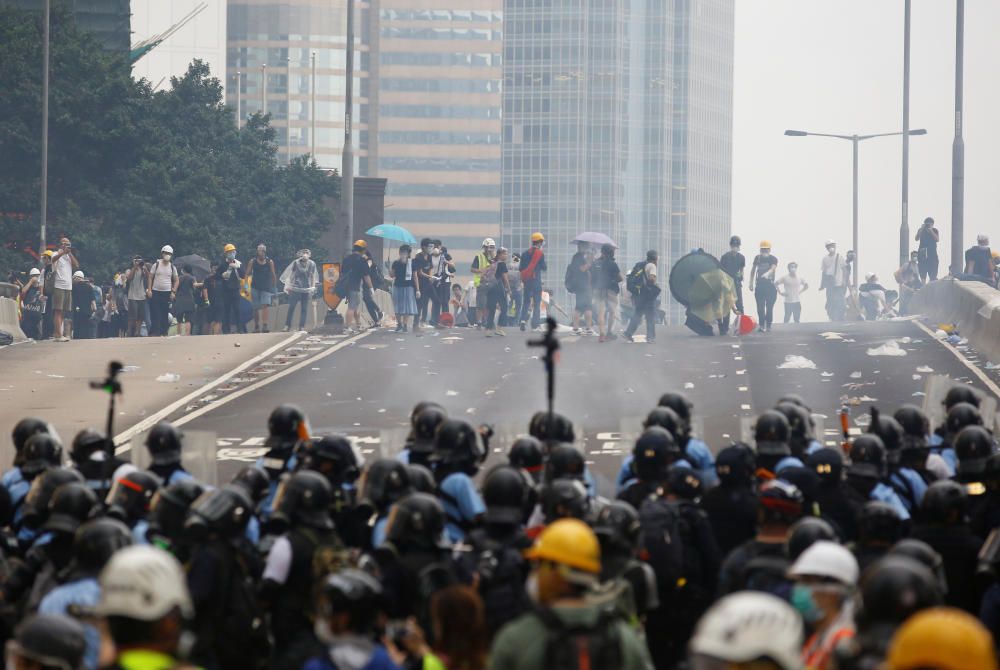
{"type": "Point", "coordinates": [8, 315]}
{"type": "Point", "coordinates": [973, 306]}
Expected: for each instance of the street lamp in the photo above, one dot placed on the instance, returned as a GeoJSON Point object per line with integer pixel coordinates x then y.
{"type": "Point", "coordinates": [855, 140]}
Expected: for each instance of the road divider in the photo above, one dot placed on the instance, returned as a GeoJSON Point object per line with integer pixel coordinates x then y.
{"type": "Point", "coordinates": [973, 306]}
{"type": "Point", "coordinates": [8, 319]}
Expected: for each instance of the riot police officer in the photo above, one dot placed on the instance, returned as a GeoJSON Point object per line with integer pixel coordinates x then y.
{"type": "Point", "coordinates": [164, 445]}
{"type": "Point", "coordinates": [695, 450]}
{"type": "Point", "coordinates": [333, 457]}
{"type": "Point", "coordinates": [879, 528]}
{"type": "Point", "coordinates": [383, 483]}
{"type": "Point", "coordinates": [732, 505]}
{"type": "Point", "coordinates": [94, 460]}
{"type": "Point", "coordinates": [286, 427]}
{"type": "Point", "coordinates": [167, 514]}
{"type": "Point", "coordinates": [129, 501]}
{"type": "Point", "coordinates": [424, 423]}
{"type": "Point", "coordinates": [868, 471]}
{"type": "Point", "coordinates": [771, 436]}
{"type": "Point", "coordinates": [906, 482]}
{"type": "Point", "coordinates": [618, 530]}
{"type": "Point", "coordinates": [654, 452]}
{"type": "Point", "coordinates": [526, 453]}
{"type": "Point", "coordinates": [458, 453]}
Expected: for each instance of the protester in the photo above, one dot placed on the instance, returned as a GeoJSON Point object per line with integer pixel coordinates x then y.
{"type": "Point", "coordinates": [229, 275]}
{"type": "Point", "coordinates": [497, 282]}
{"type": "Point", "coordinates": [927, 257]}
{"type": "Point", "coordinates": [480, 263]}
{"type": "Point", "coordinates": [405, 288]}
{"type": "Point", "coordinates": [791, 287]}
{"type": "Point", "coordinates": [264, 283]}
{"type": "Point", "coordinates": [578, 282]}
{"type": "Point", "coordinates": [606, 278]}
{"type": "Point", "coordinates": [908, 278]}
{"type": "Point", "coordinates": [32, 305]}
{"type": "Point", "coordinates": [835, 278]}
{"type": "Point", "coordinates": [184, 303]}
{"type": "Point", "coordinates": [733, 263]}
{"type": "Point", "coordinates": [300, 279]}
{"type": "Point", "coordinates": [644, 289]}
{"type": "Point", "coordinates": [979, 260]}
{"type": "Point", "coordinates": [354, 273]}
{"type": "Point", "coordinates": [136, 284]}
{"type": "Point", "coordinates": [84, 307]}
{"type": "Point", "coordinates": [163, 280]}
{"type": "Point", "coordinates": [762, 286]}
{"type": "Point", "coordinates": [531, 268]}
{"type": "Point", "coordinates": [64, 264]}
{"type": "Point", "coordinates": [440, 286]}
{"type": "Point", "coordinates": [423, 266]}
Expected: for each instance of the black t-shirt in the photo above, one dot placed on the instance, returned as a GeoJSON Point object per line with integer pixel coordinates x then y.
{"type": "Point", "coordinates": [980, 259]}
{"type": "Point", "coordinates": [422, 264]}
{"type": "Point", "coordinates": [581, 277]}
{"type": "Point", "coordinates": [501, 271]}
{"type": "Point", "coordinates": [733, 264]}
{"type": "Point", "coordinates": [764, 265]}
{"type": "Point", "coordinates": [83, 295]}
{"type": "Point", "coordinates": [399, 272]}
{"type": "Point", "coordinates": [927, 241]}
{"type": "Point", "coordinates": [353, 271]}
{"type": "Point", "coordinates": [604, 274]}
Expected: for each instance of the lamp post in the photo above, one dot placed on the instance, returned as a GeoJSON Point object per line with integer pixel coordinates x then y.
{"type": "Point", "coordinates": [958, 147]}
{"type": "Point", "coordinates": [239, 86]}
{"type": "Point", "coordinates": [904, 224]}
{"type": "Point", "coordinates": [854, 140]}
{"type": "Point", "coordinates": [347, 164]}
{"type": "Point", "coordinates": [44, 204]}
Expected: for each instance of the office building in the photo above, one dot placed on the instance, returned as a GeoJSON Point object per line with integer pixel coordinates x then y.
{"type": "Point", "coordinates": [175, 42]}
{"type": "Point", "coordinates": [617, 118]}
{"type": "Point", "coordinates": [107, 20]}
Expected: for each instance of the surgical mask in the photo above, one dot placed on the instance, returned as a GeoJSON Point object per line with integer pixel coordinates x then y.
{"type": "Point", "coordinates": [804, 602]}
{"type": "Point", "coordinates": [765, 252]}
{"type": "Point", "coordinates": [531, 588]}
{"type": "Point", "coordinates": [436, 252]}
{"type": "Point", "coordinates": [303, 260]}
{"type": "Point", "coordinates": [793, 269]}
{"type": "Point", "coordinates": [230, 255]}
{"type": "Point", "coordinates": [167, 257]}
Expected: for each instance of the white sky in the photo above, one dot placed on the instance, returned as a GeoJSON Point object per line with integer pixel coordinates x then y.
{"type": "Point", "coordinates": [836, 66]}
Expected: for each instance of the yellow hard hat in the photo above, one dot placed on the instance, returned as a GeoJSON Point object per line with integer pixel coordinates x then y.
{"type": "Point", "coordinates": [764, 244]}
{"type": "Point", "coordinates": [537, 237]}
{"type": "Point", "coordinates": [996, 253]}
{"type": "Point", "coordinates": [568, 542]}
{"type": "Point", "coordinates": [229, 247]}
{"type": "Point", "coordinates": [361, 243]}
{"type": "Point", "coordinates": [49, 253]}
{"type": "Point", "coordinates": [943, 638]}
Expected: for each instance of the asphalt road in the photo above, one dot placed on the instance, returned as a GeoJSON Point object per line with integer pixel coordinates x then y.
{"type": "Point", "coordinates": [367, 389]}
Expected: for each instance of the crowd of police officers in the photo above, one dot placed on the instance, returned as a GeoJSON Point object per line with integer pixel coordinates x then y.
{"type": "Point", "coordinates": [786, 553]}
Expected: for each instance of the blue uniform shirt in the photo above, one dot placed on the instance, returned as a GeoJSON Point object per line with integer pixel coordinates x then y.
{"type": "Point", "coordinates": [464, 506]}
{"type": "Point", "coordinates": [947, 453]}
{"type": "Point", "coordinates": [814, 446]}
{"type": "Point", "coordinates": [378, 532]}
{"type": "Point", "coordinates": [11, 477]}
{"type": "Point", "coordinates": [265, 506]}
{"type": "Point", "coordinates": [82, 592]}
{"type": "Point", "coordinates": [788, 462]}
{"type": "Point", "coordinates": [907, 479]}
{"type": "Point", "coordinates": [884, 493]}
{"type": "Point", "coordinates": [180, 476]}
{"type": "Point", "coordinates": [139, 532]}
{"type": "Point", "coordinates": [252, 531]}
{"type": "Point", "coordinates": [702, 460]}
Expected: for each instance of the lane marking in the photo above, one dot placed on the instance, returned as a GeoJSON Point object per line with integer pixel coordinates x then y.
{"type": "Point", "coordinates": [976, 371]}
{"type": "Point", "coordinates": [258, 384]}
{"type": "Point", "coordinates": [148, 422]}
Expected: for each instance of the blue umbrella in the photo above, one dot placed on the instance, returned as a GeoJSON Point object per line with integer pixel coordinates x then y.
{"type": "Point", "coordinates": [388, 231]}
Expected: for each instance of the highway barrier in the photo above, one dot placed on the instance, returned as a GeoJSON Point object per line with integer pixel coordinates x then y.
{"type": "Point", "coordinates": [8, 311]}
{"type": "Point", "coordinates": [973, 306]}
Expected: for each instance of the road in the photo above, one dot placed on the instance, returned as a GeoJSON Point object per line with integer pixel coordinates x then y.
{"type": "Point", "coordinates": [367, 387]}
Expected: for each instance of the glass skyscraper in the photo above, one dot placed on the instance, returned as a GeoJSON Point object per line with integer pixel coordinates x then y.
{"type": "Point", "coordinates": [617, 118]}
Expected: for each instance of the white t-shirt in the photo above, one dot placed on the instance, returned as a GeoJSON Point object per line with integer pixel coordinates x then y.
{"type": "Point", "coordinates": [835, 266]}
{"type": "Point", "coordinates": [791, 286]}
{"type": "Point", "coordinates": [64, 272]}
{"type": "Point", "coordinates": [651, 271]}
{"type": "Point", "coordinates": [163, 280]}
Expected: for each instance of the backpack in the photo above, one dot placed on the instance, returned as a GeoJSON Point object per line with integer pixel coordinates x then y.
{"type": "Point", "coordinates": [636, 279]}
{"type": "Point", "coordinates": [573, 647]}
{"type": "Point", "coordinates": [662, 543]}
{"type": "Point", "coordinates": [768, 574]}
{"type": "Point", "coordinates": [329, 555]}
{"type": "Point", "coordinates": [502, 571]}
{"type": "Point", "coordinates": [573, 279]}
{"type": "Point", "coordinates": [489, 279]}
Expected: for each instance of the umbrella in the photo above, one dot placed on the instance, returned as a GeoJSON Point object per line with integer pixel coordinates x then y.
{"type": "Point", "coordinates": [388, 231]}
{"type": "Point", "coordinates": [200, 267]}
{"type": "Point", "coordinates": [713, 296]}
{"type": "Point", "coordinates": [594, 238]}
{"type": "Point", "coordinates": [686, 272]}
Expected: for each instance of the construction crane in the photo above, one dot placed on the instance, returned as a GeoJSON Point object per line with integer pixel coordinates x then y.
{"type": "Point", "coordinates": [143, 47]}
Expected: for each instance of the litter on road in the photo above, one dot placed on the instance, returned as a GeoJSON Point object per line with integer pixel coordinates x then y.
{"type": "Point", "coordinates": [169, 378]}
{"type": "Point", "coordinates": [793, 362]}
{"type": "Point", "coordinates": [890, 348]}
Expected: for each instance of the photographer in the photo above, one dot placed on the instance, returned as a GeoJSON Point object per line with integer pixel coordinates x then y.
{"type": "Point", "coordinates": [444, 270]}
{"type": "Point", "coordinates": [64, 263]}
{"type": "Point", "coordinates": [32, 305]}
{"type": "Point", "coordinates": [927, 258]}
{"type": "Point", "coordinates": [136, 285]}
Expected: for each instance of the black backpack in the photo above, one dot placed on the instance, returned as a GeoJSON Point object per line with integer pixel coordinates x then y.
{"type": "Point", "coordinates": [502, 572]}
{"type": "Point", "coordinates": [662, 543]}
{"type": "Point", "coordinates": [769, 574]}
{"type": "Point", "coordinates": [636, 279]}
{"type": "Point", "coordinates": [570, 647]}
{"type": "Point", "coordinates": [573, 279]}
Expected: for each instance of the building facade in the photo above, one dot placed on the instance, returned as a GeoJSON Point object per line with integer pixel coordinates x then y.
{"type": "Point", "coordinates": [617, 118]}
{"type": "Point", "coordinates": [108, 21]}
{"type": "Point", "coordinates": [203, 37]}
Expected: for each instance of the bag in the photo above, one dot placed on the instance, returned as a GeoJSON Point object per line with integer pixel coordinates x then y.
{"type": "Point", "coordinates": [529, 270]}
{"type": "Point", "coordinates": [662, 545]}
{"type": "Point", "coordinates": [329, 554]}
{"type": "Point", "coordinates": [768, 574]}
{"type": "Point", "coordinates": [489, 278]}
{"type": "Point", "coordinates": [502, 571]}
{"type": "Point", "coordinates": [570, 647]}
{"type": "Point", "coordinates": [573, 279]}
{"type": "Point", "coordinates": [636, 279]}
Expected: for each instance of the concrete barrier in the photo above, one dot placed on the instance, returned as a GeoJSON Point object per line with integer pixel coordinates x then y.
{"type": "Point", "coordinates": [8, 319]}
{"type": "Point", "coordinates": [973, 306]}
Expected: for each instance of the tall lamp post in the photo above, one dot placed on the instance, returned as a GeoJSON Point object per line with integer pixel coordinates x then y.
{"type": "Point", "coordinates": [44, 205]}
{"type": "Point", "coordinates": [904, 224]}
{"type": "Point", "coordinates": [958, 147]}
{"type": "Point", "coordinates": [854, 140]}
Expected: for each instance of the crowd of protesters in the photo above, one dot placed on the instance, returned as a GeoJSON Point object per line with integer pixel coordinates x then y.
{"type": "Point", "coordinates": [784, 554]}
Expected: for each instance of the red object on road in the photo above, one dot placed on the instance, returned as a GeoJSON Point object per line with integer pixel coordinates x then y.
{"type": "Point", "coordinates": [446, 320]}
{"type": "Point", "coordinates": [747, 324]}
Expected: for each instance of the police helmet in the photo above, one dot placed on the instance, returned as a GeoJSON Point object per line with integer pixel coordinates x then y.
{"type": "Point", "coordinates": [416, 522]}
{"type": "Point", "coordinates": [887, 428]}
{"type": "Point", "coordinates": [87, 442]}
{"type": "Point", "coordinates": [896, 587]}
{"type": "Point", "coordinates": [226, 511]}
{"type": "Point", "coordinates": [421, 479]}
{"type": "Point", "coordinates": [507, 495]}
{"type": "Point", "coordinates": [945, 502]}
{"type": "Point", "coordinates": [353, 592]}
{"type": "Point", "coordinates": [565, 461]}
{"type": "Point", "coordinates": [799, 426]}
{"type": "Point", "coordinates": [973, 445]}
{"type": "Point", "coordinates": [913, 421]}
{"type": "Point", "coordinates": [527, 454]}
{"type": "Point", "coordinates": [680, 404]}
{"type": "Point", "coordinates": [24, 429]}
{"type": "Point", "coordinates": [735, 465]}
{"type": "Point", "coordinates": [795, 399]}
{"type": "Point", "coordinates": [666, 418]}
{"type": "Point", "coordinates": [130, 496]}
{"type": "Point", "coordinates": [35, 509]}
{"type": "Point", "coordinates": [879, 522]}
{"type": "Point", "coordinates": [828, 464]}
{"type": "Point", "coordinates": [424, 425]}
{"type": "Point", "coordinates": [457, 447]}
{"type": "Point", "coordinates": [684, 482]}
{"type": "Point", "coordinates": [961, 415]}
{"type": "Point", "coordinates": [780, 501]}
{"type": "Point", "coordinates": [868, 457]}
{"type": "Point", "coordinates": [924, 554]}
{"type": "Point", "coordinates": [71, 504]}
{"type": "Point", "coordinates": [384, 482]}
{"type": "Point", "coordinates": [254, 481]}
{"type": "Point", "coordinates": [303, 499]}
{"type": "Point", "coordinates": [959, 394]}
{"type": "Point", "coordinates": [169, 509]}
{"type": "Point", "coordinates": [564, 498]}
{"type": "Point", "coordinates": [334, 457]}
{"type": "Point", "coordinates": [41, 451]}
{"type": "Point", "coordinates": [771, 434]}
{"type": "Point", "coordinates": [807, 531]}
{"type": "Point", "coordinates": [617, 527]}
{"type": "Point", "coordinates": [164, 444]}
{"type": "Point", "coordinates": [286, 421]}
{"type": "Point", "coordinates": [551, 429]}
{"type": "Point", "coordinates": [49, 641]}
{"type": "Point", "coordinates": [97, 540]}
{"type": "Point", "coordinates": [653, 453]}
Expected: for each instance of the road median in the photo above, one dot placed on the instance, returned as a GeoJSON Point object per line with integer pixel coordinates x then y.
{"type": "Point", "coordinates": [973, 306]}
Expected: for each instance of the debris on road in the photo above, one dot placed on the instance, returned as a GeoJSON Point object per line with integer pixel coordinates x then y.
{"type": "Point", "coordinates": [688, 385]}
{"type": "Point", "coordinates": [829, 335]}
{"type": "Point", "coordinates": [826, 374]}
{"type": "Point", "coordinates": [167, 377]}
{"type": "Point", "coordinates": [925, 369]}
{"type": "Point", "coordinates": [793, 362]}
{"type": "Point", "coordinates": [451, 393]}
{"type": "Point", "coordinates": [890, 348]}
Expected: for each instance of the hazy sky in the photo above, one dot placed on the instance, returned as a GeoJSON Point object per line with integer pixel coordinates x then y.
{"type": "Point", "coordinates": [836, 66]}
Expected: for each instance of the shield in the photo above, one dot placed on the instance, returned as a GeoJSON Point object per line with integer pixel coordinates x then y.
{"type": "Point", "coordinates": [388, 231]}
{"type": "Point", "coordinates": [699, 283]}
{"type": "Point", "coordinates": [686, 272]}
{"type": "Point", "coordinates": [200, 267]}
{"type": "Point", "coordinates": [331, 273]}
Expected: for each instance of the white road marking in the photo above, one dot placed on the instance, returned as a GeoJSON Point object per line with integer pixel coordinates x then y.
{"type": "Point", "coordinates": [976, 371]}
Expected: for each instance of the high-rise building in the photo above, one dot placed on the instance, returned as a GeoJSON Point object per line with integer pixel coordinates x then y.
{"type": "Point", "coordinates": [617, 118]}
{"type": "Point", "coordinates": [202, 37]}
{"type": "Point", "coordinates": [107, 20]}
{"type": "Point", "coordinates": [436, 126]}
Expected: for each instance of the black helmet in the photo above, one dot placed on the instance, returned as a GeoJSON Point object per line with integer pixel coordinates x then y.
{"type": "Point", "coordinates": [416, 521]}
{"type": "Point", "coordinates": [97, 540]}
{"type": "Point", "coordinates": [653, 454]}
{"type": "Point", "coordinates": [226, 511]}
{"type": "Point", "coordinates": [684, 483]}
{"type": "Point", "coordinates": [36, 504]}
{"type": "Point", "coordinates": [556, 429]}
{"type": "Point", "coordinates": [868, 457]}
{"type": "Point", "coordinates": [334, 457]}
{"type": "Point", "coordinates": [421, 479]}
{"type": "Point", "coordinates": [735, 241]}
{"type": "Point", "coordinates": [991, 469]}
{"type": "Point", "coordinates": [880, 522]}
{"type": "Point", "coordinates": [385, 481]}
{"type": "Point", "coordinates": [130, 497]}
{"type": "Point", "coordinates": [424, 424]}
{"type": "Point", "coordinates": [771, 434]}
{"type": "Point", "coordinates": [303, 499]}
{"type": "Point", "coordinates": [352, 592]}
{"type": "Point", "coordinates": [896, 587]}
{"type": "Point", "coordinates": [913, 421]}
{"type": "Point", "coordinates": [799, 425]}
{"type": "Point", "coordinates": [86, 442]}
{"type": "Point", "coordinates": [961, 415]}
{"type": "Point", "coordinates": [945, 502]}
{"type": "Point", "coordinates": [666, 418]}
{"type": "Point", "coordinates": [828, 464]}
{"type": "Point", "coordinates": [807, 531]}
{"type": "Point", "coordinates": [959, 394]}
{"type": "Point", "coordinates": [255, 481]}
{"type": "Point", "coordinates": [286, 421]}
{"type": "Point", "coordinates": [24, 429]}
{"type": "Point", "coordinates": [527, 453]}
{"type": "Point", "coordinates": [795, 399]}
{"type": "Point", "coordinates": [41, 451]}
{"type": "Point", "coordinates": [617, 527]}
{"type": "Point", "coordinates": [780, 501]}
{"type": "Point", "coordinates": [164, 444]}
{"type": "Point", "coordinates": [973, 445]}
{"type": "Point", "coordinates": [680, 404]}
{"type": "Point", "coordinates": [50, 641]}
{"type": "Point", "coordinates": [71, 504]}
{"type": "Point", "coordinates": [169, 509]}
{"type": "Point", "coordinates": [735, 465]}
{"type": "Point", "coordinates": [457, 447]}
{"type": "Point", "coordinates": [507, 494]}
{"type": "Point", "coordinates": [887, 428]}
{"type": "Point", "coordinates": [565, 461]}
{"type": "Point", "coordinates": [924, 554]}
{"type": "Point", "coordinates": [564, 498]}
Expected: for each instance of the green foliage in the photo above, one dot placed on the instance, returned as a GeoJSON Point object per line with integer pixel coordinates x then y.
{"type": "Point", "coordinates": [131, 169]}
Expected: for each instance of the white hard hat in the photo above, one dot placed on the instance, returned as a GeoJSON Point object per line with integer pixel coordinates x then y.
{"type": "Point", "coordinates": [870, 276]}
{"type": "Point", "coordinates": [167, 249]}
{"type": "Point", "coordinates": [827, 559]}
{"type": "Point", "coordinates": [78, 274]}
{"type": "Point", "coordinates": [831, 243]}
{"type": "Point", "coordinates": [145, 583]}
{"type": "Point", "coordinates": [34, 272]}
{"type": "Point", "coordinates": [750, 625]}
{"type": "Point", "coordinates": [488, 242]}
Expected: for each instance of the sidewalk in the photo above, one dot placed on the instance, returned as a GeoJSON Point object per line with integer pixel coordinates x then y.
{"type": "Point", "coordinates": [50, 379]}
